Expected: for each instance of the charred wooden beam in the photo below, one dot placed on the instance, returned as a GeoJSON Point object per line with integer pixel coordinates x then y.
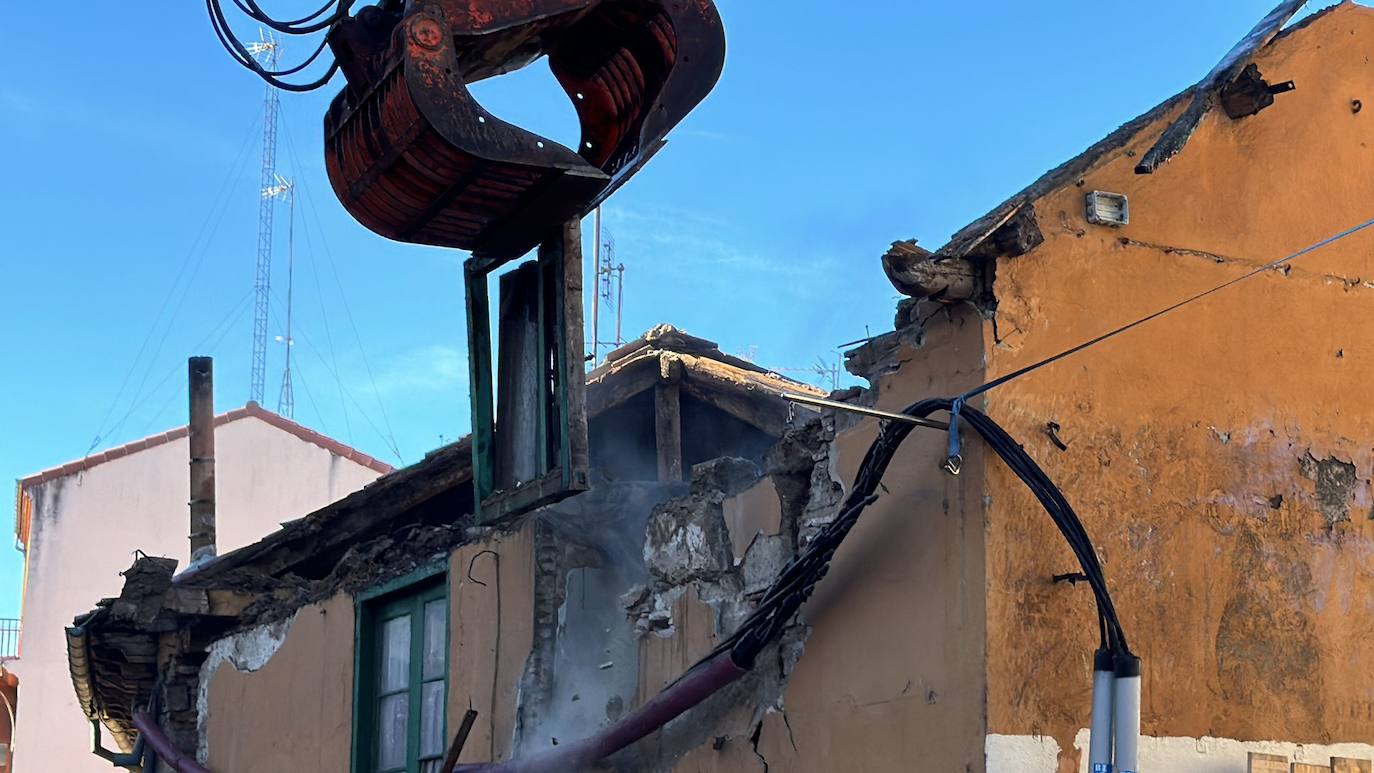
{"type": "Point", "coordinates": [1206, 95]}
{"type": "Point", "coordinates": [739, 399]}
{"type": "Point", "coordinates": [921, 274]}
{"type": "Point", "coordinates": [668, 420]}
{"type": "Point", "coordinates": [622, 383]}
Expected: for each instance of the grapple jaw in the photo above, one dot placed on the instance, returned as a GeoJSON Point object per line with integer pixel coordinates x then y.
{"type": "Point", "coordinates": [414, 157]}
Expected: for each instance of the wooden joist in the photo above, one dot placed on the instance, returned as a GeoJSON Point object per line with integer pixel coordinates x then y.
{"type": "Point", "coordinates": [668, 420]}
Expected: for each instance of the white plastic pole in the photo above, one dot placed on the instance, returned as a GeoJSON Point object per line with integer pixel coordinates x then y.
{"type": "Point", "coordinates": [1100, 735]}
{"type": "Point", "coordinates": [1126, 715]}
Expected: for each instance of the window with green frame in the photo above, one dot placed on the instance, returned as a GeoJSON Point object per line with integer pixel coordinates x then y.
{"type": "Point", "coordinates": [401, 681]}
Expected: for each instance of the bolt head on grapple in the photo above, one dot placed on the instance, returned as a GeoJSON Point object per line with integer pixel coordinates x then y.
{"type": "Point", "coordinates": [414, 157]}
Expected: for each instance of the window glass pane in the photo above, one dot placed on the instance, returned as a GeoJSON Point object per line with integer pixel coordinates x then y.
{"type": "Point", "coordinates": [432, 719]}
{"type": "Point", "coordinates": [435, 630]}
{"type": "Point", "coordinates": [392, 714]}
{"type": "Point", "coordinates": [430, 766]}
{"type": "Point", "coordinates": [396, 654]}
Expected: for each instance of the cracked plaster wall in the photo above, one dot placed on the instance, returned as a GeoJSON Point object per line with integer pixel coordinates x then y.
{"type": "Point", "coordinates": [885, 670]}
{"type": "Point", "coordinates": [1220, 457]}
{"type": "Point", "coordinates": [280, 696]}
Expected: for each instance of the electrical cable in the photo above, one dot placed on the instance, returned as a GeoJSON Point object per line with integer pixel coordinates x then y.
{"type": "Point", "coordinates": [219, 332]}
{"type": "Point", "coordinates": [352, 322]}
{"type": "Point", "coordinates": [387, 439]}
{"type": "Point", "coordinates": [796, 583]}
{"type": "Point", "coordinates": [219, 201]}
{"type": "Point", "coordinates": [736, 655]}
{"type": "Point", "coordinates": [1270, 266]}
{"type": "Point", "coordinates": [294, 27]}
{"type": "Point", "coordinates": [319, 286]}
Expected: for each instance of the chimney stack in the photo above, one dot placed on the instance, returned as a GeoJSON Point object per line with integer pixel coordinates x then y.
{"type": "Point", "coordinates": [202, 442]}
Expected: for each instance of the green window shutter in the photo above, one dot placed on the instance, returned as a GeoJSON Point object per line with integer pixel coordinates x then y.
{"type": "Point", "coordinates": [400, 685]}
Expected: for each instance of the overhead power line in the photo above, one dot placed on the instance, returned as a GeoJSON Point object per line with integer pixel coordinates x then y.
{"type": "Point", "coordinates": [191, 261]}
{"type": "Point", "coordinates": [309, 203]}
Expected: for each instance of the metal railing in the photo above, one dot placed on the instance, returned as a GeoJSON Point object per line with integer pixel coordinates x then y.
{"type": "Point", "coordinates": [9, 637]}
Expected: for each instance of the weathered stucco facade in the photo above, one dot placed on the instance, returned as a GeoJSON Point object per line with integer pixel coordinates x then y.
{"type": "Point", "coordinates": [1218, 456]}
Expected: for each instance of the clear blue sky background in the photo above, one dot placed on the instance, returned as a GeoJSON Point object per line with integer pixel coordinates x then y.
{"type": "Point", "coordinates": [128, 208]}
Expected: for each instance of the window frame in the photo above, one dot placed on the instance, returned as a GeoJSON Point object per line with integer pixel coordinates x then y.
{"type": "Point", "coordinates": [372, 609]}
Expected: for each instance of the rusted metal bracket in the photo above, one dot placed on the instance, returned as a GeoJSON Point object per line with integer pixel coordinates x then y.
{"type": "Point", "coordinates": [460, 739]}
{"type": "Point", "coordinates": [1250, 93]}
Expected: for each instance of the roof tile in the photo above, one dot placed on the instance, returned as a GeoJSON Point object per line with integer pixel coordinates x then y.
{"type": "Point", "coordinates": [176, 433]}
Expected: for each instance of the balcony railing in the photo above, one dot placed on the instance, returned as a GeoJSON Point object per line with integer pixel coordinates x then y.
{"type": "Point", "coordinates": [9, 638]}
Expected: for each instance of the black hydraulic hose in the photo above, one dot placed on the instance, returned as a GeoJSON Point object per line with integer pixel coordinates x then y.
{"type": "Point", "coordinates": [246, 60]}
{"type": "Point", "coordinates": [295, 26]}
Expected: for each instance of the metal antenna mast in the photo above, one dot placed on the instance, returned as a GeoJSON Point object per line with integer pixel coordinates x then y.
{"type": "Point", "coordinates": [608, 290]}
{"type": "Point", "coordinates": [596, 293]}
{"type": "Point", "coordinates": [286, 401]}
{"type": "Point", "coordinates": [266, 51]}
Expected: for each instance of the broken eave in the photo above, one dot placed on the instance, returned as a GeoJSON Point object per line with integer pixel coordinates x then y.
{"type": "Point", "coordinates": [977, 240]}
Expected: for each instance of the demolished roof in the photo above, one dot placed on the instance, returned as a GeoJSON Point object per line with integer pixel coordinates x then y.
{"type": "Point", "coordinates": [409, 515]}
{"type": "Point", "coordinates": [996, 232]}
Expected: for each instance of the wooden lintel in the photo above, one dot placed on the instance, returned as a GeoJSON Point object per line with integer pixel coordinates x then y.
{"type": "Point", "coordinates": [213, 602]}
{"type": "Point", "coordinates": [543, 491]}
{"type": "Point", "coordinates": [764, 411]}
{"type": "Point", "coordinates": [611, 391]}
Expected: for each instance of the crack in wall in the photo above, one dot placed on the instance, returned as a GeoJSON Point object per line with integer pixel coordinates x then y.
{"type": "Point", "coordinates": [1288, 270]}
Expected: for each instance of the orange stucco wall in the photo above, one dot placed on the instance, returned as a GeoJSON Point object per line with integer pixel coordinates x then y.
{"type": "Point", "coordinates": [295, 711]}
{"type": "Point", "coordinates": [1250, 606]}
{"type": "Point", "coordinates": [891, 678]}
{"type": "Point", "coordinates": [291, 706]}
{"type": "Point", "coordinates": [491, 630]}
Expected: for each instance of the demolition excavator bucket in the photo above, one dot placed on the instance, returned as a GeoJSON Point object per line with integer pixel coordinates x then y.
{"type": "Point", "coordinates": [414, 157]}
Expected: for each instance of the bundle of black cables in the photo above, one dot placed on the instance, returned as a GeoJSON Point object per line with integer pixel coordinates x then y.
{"type": "Point", "coordinates": [798, 580]}
{"type": "Point", "coordinates": [326, 17]}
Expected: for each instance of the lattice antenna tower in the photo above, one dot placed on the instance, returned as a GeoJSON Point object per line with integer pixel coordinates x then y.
{"type": "Point", "coordinates": [286, 399]}
{"type": "Point", "coordinates": [267, 51]}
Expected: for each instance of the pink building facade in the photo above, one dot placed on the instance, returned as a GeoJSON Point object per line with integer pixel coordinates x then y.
{"type": "Point", "coordinates": [79, 526]}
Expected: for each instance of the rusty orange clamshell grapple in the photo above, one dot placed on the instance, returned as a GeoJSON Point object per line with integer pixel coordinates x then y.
{"type": "Point", "coordinates": [414, 157]}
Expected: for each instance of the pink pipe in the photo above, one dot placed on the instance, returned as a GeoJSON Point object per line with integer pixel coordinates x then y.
{"type": "Point", "coordinates": [695, 687]}
{"type": "Point", "coordinates": [167, 752]}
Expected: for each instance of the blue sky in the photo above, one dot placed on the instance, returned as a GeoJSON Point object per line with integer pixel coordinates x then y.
{"type": "Point", "coordinates": [128, 213]}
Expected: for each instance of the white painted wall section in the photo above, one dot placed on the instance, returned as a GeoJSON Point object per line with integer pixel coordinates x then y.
{"type": "Point", "coordinates": [87, 525]}
{"type": "Point", "coordinates": [1039, 754]}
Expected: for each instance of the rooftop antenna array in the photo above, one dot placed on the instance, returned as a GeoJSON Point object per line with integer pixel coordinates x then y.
{"type": "Point", "coordinates": [609, 289]}
{"type": "Point", "coordinates": [826, 372]}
